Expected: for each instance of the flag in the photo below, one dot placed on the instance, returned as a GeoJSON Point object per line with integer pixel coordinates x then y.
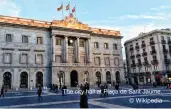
{"type": "Point", "coordinates": [67, 7]}
{"type": "Point", "coordinates": [60, 7]}
{"type": "Point", "coordinates": [73, 10]}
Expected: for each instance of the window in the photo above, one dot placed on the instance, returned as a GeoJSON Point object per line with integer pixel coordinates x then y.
{"type": "Point", "coordinates": [162, 37]}
{"type": "Point", "coordinates": [82, 43]}
{"type": "Point", "coordinates": [151, 39]}
{"type": "Point", "coordinates": [154, 58]}
{"type": "Point", "coordinates": [58, 58]}
{"type": "Point", "coordinates": [164, 47]}
{"type": "Point", "coordinates": [168, 38]}
{"type": "Point", "coordinates": [58, 41]}
{"type": "Point", "coordinates": [24, 39]}
{"type": "Point", "coordinates": [107, 61]}
{"type": "Point", "coordinates": [23, 58]}
{"type": "Point", "coordinates": [106, 45]}
{"type": "Point", "coordinates": [8, 38]}
{"type": "Point", "coordinates": [7, 58]}
{"type": "Point", "coordinates": [139, 60]}
{"type": "Point", "coordinates": [39, 59]}
{"type": "Point", "coordinates": [97, 60]}
{"type": "Point", "coordinates": [153, 47]}
{"type": "Point", "coordinates": [39, 40]}
{"type": "Point", "coordinates": [136, 43]}
{"type": "Point", "coordinates": [96, 45]}
{"type": "Point", "coordinates": [143, 50]}
{"type": "Point", "coordinates": [143, 41]}
{"type": "Point", "coordinates": [115, 46]}
{"type": "Point", "coordinates": [82, 59]}
{"type": "Point", "coordinates": [145, 59]}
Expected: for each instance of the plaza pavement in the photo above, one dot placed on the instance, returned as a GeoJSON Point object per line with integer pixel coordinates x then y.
{"type": "Point", "coordinates": [28, 99]}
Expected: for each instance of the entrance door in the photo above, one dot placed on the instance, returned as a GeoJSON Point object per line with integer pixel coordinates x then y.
{"type": "Point", "coordinates": [108, 77]}
{"type": "Point", "coordinates": [24, 80]}
{"type": "Point", "coordinates": [74, 78]}
{"type": "Point", "coordinates": [118, 77]}
{"type": "Point", "coordinates": [98, 76]}
{"type": "Point", "coordinates": [39, 79]}
{"type": "Point", "coordinates": [7, 80]}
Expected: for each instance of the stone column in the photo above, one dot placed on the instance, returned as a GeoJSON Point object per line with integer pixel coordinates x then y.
{"type": "Point", "coordinates": [53, 47]}
{"type": "Point", "coordinates": [78, 49]}
{"type": "Point", "coordinates": [66, 49]}
{"type": "Point", "coordinates": [89, 51]}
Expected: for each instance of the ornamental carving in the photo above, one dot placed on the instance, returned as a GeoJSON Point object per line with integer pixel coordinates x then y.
{"type": "Point", "coordinates": [70, 22]}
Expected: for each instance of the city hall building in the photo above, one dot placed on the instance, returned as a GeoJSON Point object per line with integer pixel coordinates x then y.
{"type": "Point", "coordinates": [64, 51]}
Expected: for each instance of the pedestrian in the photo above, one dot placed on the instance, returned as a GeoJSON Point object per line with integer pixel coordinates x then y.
{"type": "Point", "coordinates": [2, 92]}
{"type": "Point", "coordinates": [102, 89]}
{"type": "Point", "coordinates": [117, 86]}
{"type": "Point", "coordinates": [63, 90]}
{"type": "Point", "coordinates": [56, 88]}
{"type": "Point", "coordinates": [81, 87]}
{"type": "Point", "coordinates": [83, 100]}
{"type": "Point", "coordinates": [39, 92]}
{"type": "Point", "coordinates": [106, 88]}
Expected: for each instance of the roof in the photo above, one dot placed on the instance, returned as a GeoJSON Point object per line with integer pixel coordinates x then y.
{"type": "Point", "coordinates": [67, 22]}
{"type": "Point", "coordinates": [141, 35]}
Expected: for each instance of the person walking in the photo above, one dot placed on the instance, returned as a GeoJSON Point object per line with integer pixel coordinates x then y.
{"type": "Point", "coordinates": [2, 92]}
{"type": "Point", "coordinates": [83, 99]}
{"type": "Point", "coordinates": [39, 92]}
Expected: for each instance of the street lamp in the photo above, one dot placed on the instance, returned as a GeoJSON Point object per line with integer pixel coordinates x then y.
{"type": "Point", "coordinates": [60, 74]}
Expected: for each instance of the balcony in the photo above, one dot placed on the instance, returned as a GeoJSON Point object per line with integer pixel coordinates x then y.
{"type": "Point", "coordinates": [72, 64]}
{"type": "Point", "coordinates": [169, 41]}
{"type": "Point", "coordinates": [146, 63]}
{"type": "Point", "coordinates": [144, 54]}
{"type": "Point", "coordinates": [153, 52]}
{"type": "Point", "coordinates": [133, 65]}
{"type": "Point", "coordinates": [165, 50]}
{"type": "Point", "coordinates": [137, 47]}
{"type": "Point", "coordinates": [139, 64]}
{"type": "Point", "coordinates": [163, 41]}
{"type": "Point", "coordinates": [166, 61]}
{"type": "Point", "coordinates": [138, 55]}
{"type": "Point", "coordinates": [132, 57]}
{"type": "Point", "coordinates": [152, 42]}
{"type": "Point", "coordinates": [143, 45]}
{"type": "Point", "coordinates": [131, 49]}
{"type": "Point", "coordinates": [154, 62]}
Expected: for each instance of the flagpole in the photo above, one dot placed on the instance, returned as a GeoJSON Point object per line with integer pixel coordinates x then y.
{"type": "Point", "coordinates": [62, 11]}
{"type": "Point", "coordinates": [69, 8]}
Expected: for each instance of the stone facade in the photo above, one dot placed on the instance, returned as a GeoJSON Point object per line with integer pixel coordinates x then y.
{"type": "Point", "coordinates": [66, 55]}
{"type": "Point", "coordinates": [148, 57]}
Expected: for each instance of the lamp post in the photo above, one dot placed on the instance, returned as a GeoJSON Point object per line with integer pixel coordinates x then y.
{"type": "Point", "coordinates": [60, 74]}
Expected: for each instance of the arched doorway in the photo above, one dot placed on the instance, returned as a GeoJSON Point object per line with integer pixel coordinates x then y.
{"type": "Point", "coordinates": [74, 78]}
{"type": "Point", "coordinates": [39, 79]}
{"type": "Point", "coordinates": [7, 80]}
{"type": "Point", "coordinates": [98, 76]}
{"type": "Point", "coordinates": [24, 80]}
{"type": "Point", "coordinates": [117, 76]}
{"type": "Point", "coordinates": [108, 77]}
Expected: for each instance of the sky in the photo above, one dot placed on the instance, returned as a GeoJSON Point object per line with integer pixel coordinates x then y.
{"type": "Point", "coordinates": [131, 17]}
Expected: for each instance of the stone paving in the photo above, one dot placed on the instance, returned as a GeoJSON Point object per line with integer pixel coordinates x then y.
{"type": "Point", "coordinates": [28, 99]}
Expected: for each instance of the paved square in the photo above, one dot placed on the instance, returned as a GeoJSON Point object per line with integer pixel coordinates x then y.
{"type": "Point", "coordinates": [28, 99]}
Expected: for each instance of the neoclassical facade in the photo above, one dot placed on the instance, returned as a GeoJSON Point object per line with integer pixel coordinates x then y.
{"type": "Point", "coordinates": [59, 52]}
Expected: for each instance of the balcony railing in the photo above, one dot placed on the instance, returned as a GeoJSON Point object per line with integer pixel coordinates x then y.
{"type": "Point", "coordinates": [144, 54]}
{"type": "Point", "coordinates": [137, 47]}
{"type": "Point", "coordinates": [166, 61]}
{"type": "Point", "coordinates": [154, 62]}
{"type": "Point", "coordinates": [169, 41]}
{"type": "Point", "coordinates": [163, 41]}
{"type": "Point", "coordinates": [143, 45]}
{"type": "Point", "coordinates": [165, 50]}
{"type": "Point", "coordinates": [152, 42]}
{"type": "Point", "coordinates": [139, 64]}
{"type": "Point", "coordinates": [138, 55]}
{"type": "Point", "coordinates": [145, 63]}
{"type": "Point", "coordinates": [132, 57]}
{"type": "Point", "coordinates": [153, 52]}
{"type": "Point", "coordinates": [131, 49]}
{"type": "Point", "coordinates": [72, 64]}
{"type": "Point", "coordinates": [133, 65]}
